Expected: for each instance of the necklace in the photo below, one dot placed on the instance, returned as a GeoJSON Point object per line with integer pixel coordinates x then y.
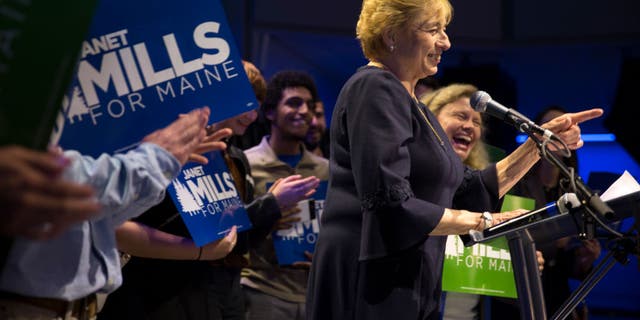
{"type": "Point", "coordinates": [424, 116]}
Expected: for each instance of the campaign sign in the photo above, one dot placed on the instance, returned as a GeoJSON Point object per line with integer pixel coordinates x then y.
{"type": "Point", "coordinates": [208, 200]}
{"type": "Point", "coordinates": [483, 268]}
{"type": "Point", "coordinates": [145, 62]}
{"type": "Point", "coordinates": [290, 244]}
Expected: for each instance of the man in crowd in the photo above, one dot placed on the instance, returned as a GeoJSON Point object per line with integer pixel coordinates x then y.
{"type": "Point", "coordinates": [317, 140]}
{"type": "Point", "coordinates": [58, 278]}
{"type": "Point", "coordinates": [273, 291]}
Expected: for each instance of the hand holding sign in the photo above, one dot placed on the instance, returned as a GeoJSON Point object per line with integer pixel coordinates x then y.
{"type": "Point", "coordinates": [220, 248]}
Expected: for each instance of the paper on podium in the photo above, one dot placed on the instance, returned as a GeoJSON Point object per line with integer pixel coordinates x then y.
{"type": "Point", "coordinates": [550, 222]}
{"type": "Point", "coordinates": [623, 186]}
{"type": "Point", "coordinates": [625, 193]}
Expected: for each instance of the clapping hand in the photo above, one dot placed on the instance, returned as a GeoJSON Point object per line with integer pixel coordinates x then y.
{"type": "Point", "coordinates": [210, 143]}
{"type": "Point", "coordinates": [183, 136]}
{"type": "Point", "coordinates": [292, 189]}
{"type": "Point", "coordinates": [36, 203]}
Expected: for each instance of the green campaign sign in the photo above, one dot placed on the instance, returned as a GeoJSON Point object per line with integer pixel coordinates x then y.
{"type": "Point", "coordinates": [484, 268]}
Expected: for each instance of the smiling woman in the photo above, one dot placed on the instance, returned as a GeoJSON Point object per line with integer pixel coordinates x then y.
{"type": "Point", "coordinates": [464, 128]}
{"type": "Point", "coordinates": [405, 37]}
{"type": "Point", "coordinates": [361, 242]}
{"type": "Point", "coordinates": [462, 124]}
{"type": "Point", "coordinates": [395, 177]}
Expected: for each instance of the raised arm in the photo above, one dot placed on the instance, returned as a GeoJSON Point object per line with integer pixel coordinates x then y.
{"type": "Point", "coordinates": [512, 168]}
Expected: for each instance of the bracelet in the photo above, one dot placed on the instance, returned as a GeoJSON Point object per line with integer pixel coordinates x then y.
{"type": "Point", "coordinates": [199, 254]}
{"type": "Point", "coordinates": [487, 219]}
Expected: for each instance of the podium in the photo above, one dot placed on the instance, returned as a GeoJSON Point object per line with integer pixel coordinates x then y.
{"type": "Point", "coordinates": [567, 217]}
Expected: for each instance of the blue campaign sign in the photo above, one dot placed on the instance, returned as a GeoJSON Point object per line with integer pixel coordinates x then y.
{"type": "Point", "coordinates": [208, 200]}
{"type": "Point", "coordinates": [321, 191]}
{"type": "Point", "coordinates": [290, 244]}
{"type": "Point", "coordinates": [145, 62]}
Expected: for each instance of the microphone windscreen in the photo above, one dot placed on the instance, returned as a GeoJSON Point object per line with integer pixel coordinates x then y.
{"type": "Point", "coordinates": [479, 100]}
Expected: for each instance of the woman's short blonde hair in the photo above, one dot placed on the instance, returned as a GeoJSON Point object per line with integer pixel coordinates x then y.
{"type": "Point", "coordinates": [377, 16]}
{"type": "Point", "coordinates": [478, 157]}
{"type": "Point", "coordinates": [437, 99]}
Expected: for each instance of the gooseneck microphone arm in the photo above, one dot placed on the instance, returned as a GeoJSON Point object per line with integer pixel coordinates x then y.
{"type": "Point", "coordinates": [524, 125]}
{"type": "Point", "coordinates": [482, 102]}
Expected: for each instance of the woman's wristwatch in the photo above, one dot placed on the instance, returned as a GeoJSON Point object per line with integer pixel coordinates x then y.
{"type": "Point", "coordinates": [488, 219]}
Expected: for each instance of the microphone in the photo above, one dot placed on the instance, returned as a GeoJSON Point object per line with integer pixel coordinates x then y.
{"type": "Point", "coordinates": [562, 206]}
{"type": "Point", "coordinates": [482, 102]}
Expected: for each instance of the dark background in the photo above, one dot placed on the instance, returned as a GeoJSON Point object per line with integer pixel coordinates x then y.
{"type": "Point", "coordinates": [526, 54]}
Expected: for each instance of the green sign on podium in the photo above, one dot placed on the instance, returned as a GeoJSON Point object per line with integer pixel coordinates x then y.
{"type": "Point", "coordinates": [483, 268]}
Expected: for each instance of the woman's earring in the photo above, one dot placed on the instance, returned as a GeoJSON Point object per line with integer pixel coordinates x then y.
{"type": "Point", "coordinates": [392, 47]}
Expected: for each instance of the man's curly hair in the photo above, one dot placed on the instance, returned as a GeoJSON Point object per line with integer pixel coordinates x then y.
{"type": "Point", "coordinates": [283, 80]}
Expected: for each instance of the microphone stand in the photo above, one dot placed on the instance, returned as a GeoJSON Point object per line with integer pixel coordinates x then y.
{"type": "Point", "coordinates": [594, 208]}
{"type": "Point", "coordinates": [620, 251]}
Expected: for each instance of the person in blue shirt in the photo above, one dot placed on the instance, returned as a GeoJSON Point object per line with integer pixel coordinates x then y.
{"type": "Point", "coordinates": [58, 278]}
{"type": "Point", "coordinates": [32, 194]}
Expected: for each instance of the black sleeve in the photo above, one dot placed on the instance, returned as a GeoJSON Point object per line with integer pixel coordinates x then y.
{"type": "Point", "coordinates": [379, 126]}
{"type": "Point", "coordinates": [478, 191]}
{"type": "Point", "coordinates": [263, 213]}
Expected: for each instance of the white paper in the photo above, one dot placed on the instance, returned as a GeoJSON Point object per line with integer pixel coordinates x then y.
{"type": "Point", "coordinates": [624, 185]}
